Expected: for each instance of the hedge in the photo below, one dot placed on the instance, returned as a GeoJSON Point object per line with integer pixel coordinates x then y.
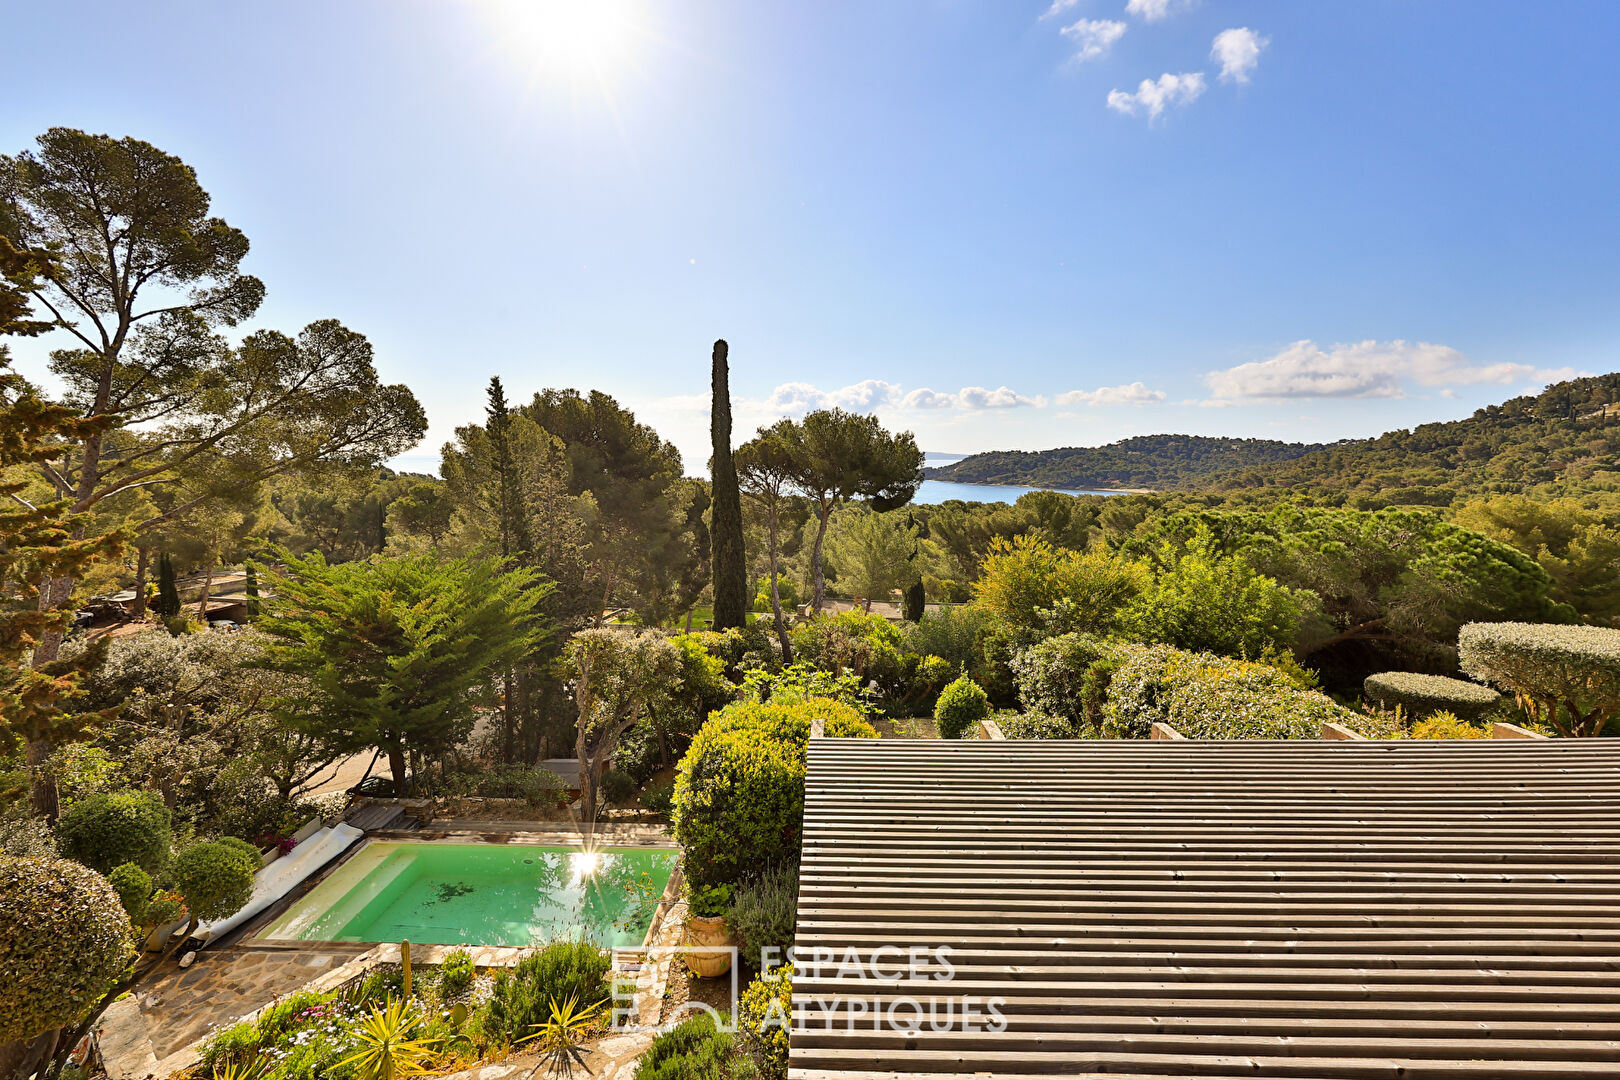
{"type": "Point", "coordinates": [764, 1016]}
{"type": "Point", "coordinates": [64, 939]}
{"type": "Point", "coordinates": [1419, 695]}
{"type": "Point", "coordinates": [1567, 677]}
{"type": "Point", "coordinates": [1204, 696]}
{"type": "Point", "coordinates": [1034, 725]}
{"type": "Point", "coordinates": [739, 790]}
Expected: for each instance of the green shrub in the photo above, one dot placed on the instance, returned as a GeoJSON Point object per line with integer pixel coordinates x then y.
{"type": "Point", "coordinates": [239, 1042]}
{"type": "Point", "coordinates": [521, 997]}
{"type": "Point", "coordinates": [108, 830]}
{"type": "Point", "coordinates": [961, 705]}
{"type": "Point", "coordinates": [693, 1050]}
{"type": "Point", "coordinates": [215, 877]}
{"type": "Point", "coordinates": [1419, 695]}
{"type": "Point", "coordinates": [764, 1018]}
{"type": "Point", "coordinates": [659, 798]}
{"type": "Point", "coordinates": [764, 912]}
{"type": "Point", "coordinates": [955, 635]}
{"type": "Point", "coordinates": [865, 646]}
{"type": "Point", "coordinates": [803, 682]}
{"type": "Point", "coordinates": [134, 888]}
{"type": "Point", "coordinates": [26, 837]}
{"type": "Point", "coordinates": [1051, 676]}
{"type": "Point", "coordinates": [1445, 725]}
{"type": "Point", "coordinates": [64, 939]}
{"type": "Point", "coordinates": [1567, 677]}
{"type": "Point", "coordinates": [1034, 725]}
{"type": "Point", "coordinates": [617, 788]}
{"type": "Point", "coordinates": [456, 974]}
{"type": "Point", "coordinates": [708, 901]}
{"type": "Point", "coordinates": [1204, 696]}
{"type": "Point", "coordinates": [739, 791]}
{"type": "Point", "coordinates": [532, 784]}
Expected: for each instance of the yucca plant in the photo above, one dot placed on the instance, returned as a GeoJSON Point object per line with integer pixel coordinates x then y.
{"type": "Point", "coordinates": [560, 1036]}
{"type": "Point", "coordinates": [388, 1049]}
{"type": "Point", "coordinates": [240, 1068]}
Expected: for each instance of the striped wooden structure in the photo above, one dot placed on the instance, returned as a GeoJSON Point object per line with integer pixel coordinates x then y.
{"type": "Point", "coordinates": [1428, 910]}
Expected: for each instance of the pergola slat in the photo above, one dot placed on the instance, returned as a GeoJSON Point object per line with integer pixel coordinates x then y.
{"type": "Point", "coordinates": [1315, 910]}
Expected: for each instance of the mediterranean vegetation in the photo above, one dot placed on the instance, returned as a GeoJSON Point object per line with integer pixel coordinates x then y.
{"type": "Point", "coordinates": [214, 592]}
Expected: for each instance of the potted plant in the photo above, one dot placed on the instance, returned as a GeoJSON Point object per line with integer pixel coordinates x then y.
{"type": "Point", "coordinates": [707, 906]}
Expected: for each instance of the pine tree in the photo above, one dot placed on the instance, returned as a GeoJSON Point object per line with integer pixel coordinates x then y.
{"type": "Point", "coordinates": [730, 563]}
{"type": "Point", "coordinates": [168, 597]}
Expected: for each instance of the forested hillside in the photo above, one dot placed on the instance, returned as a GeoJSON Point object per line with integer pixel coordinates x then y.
{"type": "Point", "coordinates": [1560, 442]}
{"type": "Point", "coordinates": [1145, 461]}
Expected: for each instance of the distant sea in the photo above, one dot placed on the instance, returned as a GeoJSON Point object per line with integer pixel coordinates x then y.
{"type": "Point", "coordinates": [934, 492]}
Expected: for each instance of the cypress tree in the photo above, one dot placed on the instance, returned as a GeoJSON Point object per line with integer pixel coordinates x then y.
{"type": "Point", "coordinates": [730, 564]}
{"type": "Point", "coordinates": [251, 590]}
{"type": "Point", "coordinates": [513, 514]}
{"type": "Point", "coordinates": [168, 597]}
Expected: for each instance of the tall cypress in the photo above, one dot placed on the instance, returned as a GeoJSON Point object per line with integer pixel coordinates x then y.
{"type": "Point", "coordinates": [514, 515]}
{"type": "Point", "coordinates": [725, 516]}
{"type": "Point", "coordinates": [251, 590]}
{"type": "Point", "coordinates": [168, 597]}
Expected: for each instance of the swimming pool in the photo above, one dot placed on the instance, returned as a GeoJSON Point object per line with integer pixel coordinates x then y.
{"type": "Point", "coordinates": [483, 894]}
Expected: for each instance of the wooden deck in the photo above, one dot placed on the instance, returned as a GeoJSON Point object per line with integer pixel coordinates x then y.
{"type": "Point", "coordinates": [1314, 910]}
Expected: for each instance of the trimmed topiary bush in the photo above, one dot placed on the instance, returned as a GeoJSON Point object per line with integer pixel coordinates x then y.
{"type": "Point", "coordinates": [134, 888]}
{"type": "Point", "coordinates": [215, 877]}
{"type": "Point", "coordinates": [764, 1018]}
{"type": "Point", "coordinates": [1567, 677]}
{"type": "Point", "coordinates": [764, 912]}
{"type": "Point", "coordinates": [1034, 725]}
{"type": "Point", "coordinates": [1419, 695]}
{"type": "Point", "coordinates": [1052, 677]}
{"type": "Point", "coordinates": [105, 831]}
{"type": "Point", "coordinates": [1212, 697]}
{"type": "Point", "coordinates": [739, 791]}
{"type": "Point", "coordinates": [64, 940]}
{"type": "Point", "coordinates": [961, 705]}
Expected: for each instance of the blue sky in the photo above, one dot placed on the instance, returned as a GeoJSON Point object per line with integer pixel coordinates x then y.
{"type": "Point", "coordinates": [1000, 226]}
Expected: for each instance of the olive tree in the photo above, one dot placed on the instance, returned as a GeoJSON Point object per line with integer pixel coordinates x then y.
{"type": "Point", "coordinates": [1567, 677]}
{"type": "Point", "coordinates": [620, 676]}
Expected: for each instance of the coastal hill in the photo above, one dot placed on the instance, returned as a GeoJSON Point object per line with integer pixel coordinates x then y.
{"type": "Point", "coordinates": [1563, 440]}
{"type": "Point", "coordinates": [1143, 461]}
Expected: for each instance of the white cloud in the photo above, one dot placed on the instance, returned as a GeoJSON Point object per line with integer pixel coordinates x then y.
{"type": "Point", "coordinates": [1153, 96]}
{"type": "Point", "coordinates": [797, 397]}
{"type": "Point", "coordinates": [1238, 51]}
{"type": "Point", "coordinates": [1126, 394]}
{"type": "Point", "coordinates": [1093, 37]}
{"type": "Point", "coordinates": [1155, 10]}
{"type": "Point", "coordinates": [1367, 369]}
{"type": "Point", "coordinates": [1059, 7]}
{"type": "Point", "coordinates": [977, 397]}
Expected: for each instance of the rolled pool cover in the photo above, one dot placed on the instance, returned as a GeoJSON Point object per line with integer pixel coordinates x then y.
{"type": "Point", "coordinates": [279, 878]}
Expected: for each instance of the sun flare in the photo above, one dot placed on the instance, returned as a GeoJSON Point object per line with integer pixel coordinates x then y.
{"type": "Point", "coordinates": [568, 40]}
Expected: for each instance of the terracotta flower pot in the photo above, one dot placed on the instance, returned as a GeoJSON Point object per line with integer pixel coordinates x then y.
{"type": "Point", "coordinates": [708, 931]}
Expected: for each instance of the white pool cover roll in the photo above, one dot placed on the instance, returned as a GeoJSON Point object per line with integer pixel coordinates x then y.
{"type": "Point", "coordinates": [278, 879]}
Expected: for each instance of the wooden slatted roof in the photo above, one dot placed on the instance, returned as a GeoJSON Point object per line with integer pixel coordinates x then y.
{"type": "Point", "coordinates": [1425, 910]}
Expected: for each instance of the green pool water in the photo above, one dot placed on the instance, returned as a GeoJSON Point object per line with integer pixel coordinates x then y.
{"type": "Point", "coordinates": [483, 894]}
